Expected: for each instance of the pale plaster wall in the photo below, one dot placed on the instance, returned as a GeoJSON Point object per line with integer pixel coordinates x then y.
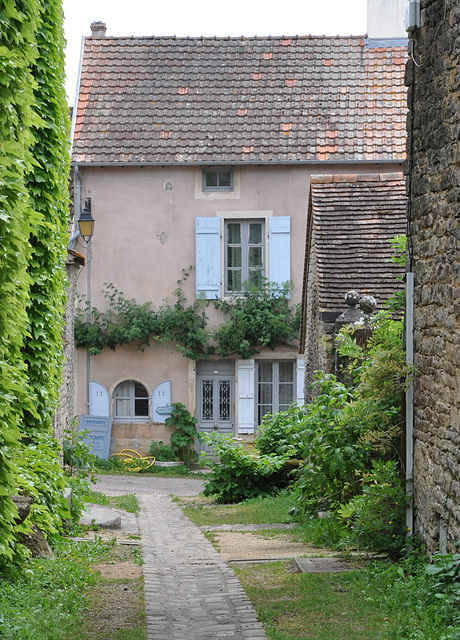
{"type": "Point", "coordinates": [145, 235]}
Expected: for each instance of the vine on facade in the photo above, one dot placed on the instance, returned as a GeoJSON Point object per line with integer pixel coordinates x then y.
{"type": "Point", "coordinates": [259, 318]}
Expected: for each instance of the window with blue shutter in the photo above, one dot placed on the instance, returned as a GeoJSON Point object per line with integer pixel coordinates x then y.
{"type": "Point", "coordinates": [280, 249]}
{"type": "Point", "coordinates": [207, 258]}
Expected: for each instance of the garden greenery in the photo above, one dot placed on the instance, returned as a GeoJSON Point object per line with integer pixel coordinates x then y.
{"type": "Point", "coordinates": [259, 318]}
{"type": "Point", "coordinates": [183, 440]}
{"type": "Point", "coordinates": [347, 442]}
{"type": "Point", "coordinates": [34, 169]}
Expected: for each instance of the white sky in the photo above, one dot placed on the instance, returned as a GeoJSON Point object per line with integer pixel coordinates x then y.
{"type": "Point", "coordinates": [191, 18]}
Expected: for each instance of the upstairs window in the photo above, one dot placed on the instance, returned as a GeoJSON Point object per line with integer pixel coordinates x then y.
{"type": "Point", "coordinates": [218, 179]}
{"type": "Point", "coordinates": [131, 400]}
{"type": "Point", "coordinates": [244, 254]}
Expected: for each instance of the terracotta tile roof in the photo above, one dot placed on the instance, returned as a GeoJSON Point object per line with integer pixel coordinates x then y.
{"type": "Point", "coordinates": [239, 99]}
{"type": "Point", "coordinates": [351, 219]}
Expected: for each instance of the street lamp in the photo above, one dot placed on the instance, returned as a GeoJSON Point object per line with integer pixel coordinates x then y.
{"type": "Point", "coordinates": [86, 221]}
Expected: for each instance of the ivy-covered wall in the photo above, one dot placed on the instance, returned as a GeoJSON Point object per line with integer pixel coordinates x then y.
{"type": "Point", "coordinates": [34, 165]}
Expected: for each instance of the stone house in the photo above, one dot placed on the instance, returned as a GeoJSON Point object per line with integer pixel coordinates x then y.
{"type": "Point", "coordinates": [350, 222]}
{"type": "Point", "coordinates": [197, 150]}
{"type": "Point", "coordinates": [433, 179]}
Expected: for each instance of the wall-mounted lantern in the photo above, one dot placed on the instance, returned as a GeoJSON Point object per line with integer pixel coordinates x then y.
{"type": "Point", "coordinates": [86, 221]}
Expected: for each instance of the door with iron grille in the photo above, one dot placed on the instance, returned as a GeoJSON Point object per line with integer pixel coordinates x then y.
{"type": "Point", "coordinates": [215, 405]}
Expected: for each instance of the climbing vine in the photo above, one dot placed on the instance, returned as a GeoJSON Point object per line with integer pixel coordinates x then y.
{"type": "Point", "coordinates": [33, 213]}
{"type": "Point", "coordinates": [258, 319]}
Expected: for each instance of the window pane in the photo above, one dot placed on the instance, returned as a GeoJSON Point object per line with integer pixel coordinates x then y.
{"type": "Point", "coordinates": [141, 407]}
{"type": "Point", "coordinates": [263, 410]}
{"type": "Point", "coordinates": [234, 256]}
{"type": "Point", "coordinates": [224, 400]}
{"type": "Point", "coordinates": [140, 391]}
{"type": "Point", "coordinates": [286, 393]}
{"type": "Point", "coordinates": [207, 402]}
{"type": "Point", "coordinates": [211, 179]}
{"type": "Point", "coordinates": [121, 407]}
{"type": "Point", "coordinates": [255, 257]}
{"type": "Point", "coordinates": [255, 233]}
{"type": "Point", "coordinates": [286, 372]}
{"type": "Point", "coordinates": [265, 372]}
{"type": "Point", "coordinates": [225, 179]}
{"type": "Point", "coordinates": [122, 391]}
{"type": "Point", "coordinates": [265, 395]}
{"type": "Point", "coordinates": [234, 282]}
{"type": "Point", "coordinates": [234, 233]}
{"type": "Point", "coordinates": [255, 278]}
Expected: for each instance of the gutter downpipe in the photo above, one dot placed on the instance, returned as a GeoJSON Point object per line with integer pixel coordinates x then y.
{"type": "Point", "coordinates": [410, 403]}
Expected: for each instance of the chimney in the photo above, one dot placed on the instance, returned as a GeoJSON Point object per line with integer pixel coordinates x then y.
{"type": "Point", "coordinates": [385, 20]}
{"type": "Point", "coordinates": [98, 29]}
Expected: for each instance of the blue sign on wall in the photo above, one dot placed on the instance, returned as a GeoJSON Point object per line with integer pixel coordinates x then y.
{"type": "Point", "coordinates": [100, 432]}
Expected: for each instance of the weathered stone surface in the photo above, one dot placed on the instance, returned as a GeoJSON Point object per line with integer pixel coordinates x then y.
{"type": "Point", "coordinates": [104, 517]}
{"type": "Point", "coordinates": [36, 542]}
{"type": "Point", "coordinates": [434, 183]}
{"type": "Point", "coordinates": [23, 505]}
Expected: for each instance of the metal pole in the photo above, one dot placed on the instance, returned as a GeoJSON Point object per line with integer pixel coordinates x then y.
{"type": "Point", "coordinates": [409, 318]}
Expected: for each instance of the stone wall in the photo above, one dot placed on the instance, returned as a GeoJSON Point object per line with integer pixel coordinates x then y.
{"type": "Point", "coordinates": [318, 347]}
{"type": "Point", "coordinates": [433, 183]}
{"type": "Point", "coordinates": [66, 410]}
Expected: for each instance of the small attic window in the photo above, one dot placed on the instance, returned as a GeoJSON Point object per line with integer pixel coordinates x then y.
{"type": "Point", "coordinates": [218, 179]}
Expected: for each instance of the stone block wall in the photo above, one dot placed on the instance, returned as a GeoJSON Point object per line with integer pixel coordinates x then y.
{"type": "Point", "coordinates": [66, 410]}
{"type": "Point", "coordinates": [433, 183]}
{"type": "Point", "coordinates": [318, 347]}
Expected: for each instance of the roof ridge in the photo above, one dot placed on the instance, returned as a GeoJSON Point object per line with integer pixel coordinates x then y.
{"type": "Point", "coordinates": [255, 37]}
{"type": "Point", "coordinates": [328, 178]}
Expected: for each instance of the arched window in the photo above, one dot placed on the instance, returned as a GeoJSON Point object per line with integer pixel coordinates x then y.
{"type": "Point", "coordinates": [131, 400]}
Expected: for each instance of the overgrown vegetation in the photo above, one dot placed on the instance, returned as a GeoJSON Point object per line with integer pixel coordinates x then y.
{"type": "Point", "coordinates": [236, 474]}
{"type": "Point", "coordinates": [378, 600]}
{"type": "Point", "coordinates": [183, 440]}
{"type": "Point", "coordinates": [44, 598]}
{"type": "Point", "coordinates": [34, 167]}
{"type": "Point", "coordinates": [347, 442]}
{"type": "Point", "coordinates": [259, 318]}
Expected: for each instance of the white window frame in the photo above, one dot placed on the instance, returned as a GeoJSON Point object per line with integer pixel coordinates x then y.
{"type": "Point", "coordinates": [275, 384]}
{"type": "Point", "coordinates": [131, 397]}
{"type": "Point", "coordinates": [245, 269]}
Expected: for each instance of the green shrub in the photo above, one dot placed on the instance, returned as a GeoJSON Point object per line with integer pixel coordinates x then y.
{"type": "Point", "coordinates": [184, 438]}
{"type": "Point", "coordinates": [40, 476]}
{"type": "Point", "coordinates": [333, 451]}
{"type": "Point", "coordinates": [162, 452]}
{"type": "Point", "coordinates": [376, 516]}
{"type": "Point", "coordinates": [281, 434]}
{"type": "Point", "coordinates": [239, 475]}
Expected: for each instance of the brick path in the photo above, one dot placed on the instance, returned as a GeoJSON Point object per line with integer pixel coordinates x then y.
{"type": "Point", "coordinates": [190, 592]}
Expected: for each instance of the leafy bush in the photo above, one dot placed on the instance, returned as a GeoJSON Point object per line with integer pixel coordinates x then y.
{"type": "Point", "coordinates": [184, 438]}
{"type": "Point", "coordinates": [281, 434]}
{"type": "Point", "coordinates": [376, 516]}
{"type": "Point", "coordinates": [332, 448]}
{"type": "Point", "coordinates": [162, 452]}
{"type": "Point", "coordinates": [40, 476]}
{"type": "Point", "coordinates": [239, 475]}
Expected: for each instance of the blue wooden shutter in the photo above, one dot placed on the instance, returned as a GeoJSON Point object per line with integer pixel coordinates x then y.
{"type": "Point", "coordinates": [246, 396]}
{"type": "Point", "coordinates": [280, 249]}
{"type": "Point", "coordinates": [161, 401]}
{"type": "Point", "coordinates": [207, 244]}
{"type": "Point", "coordinates": [99, 404]}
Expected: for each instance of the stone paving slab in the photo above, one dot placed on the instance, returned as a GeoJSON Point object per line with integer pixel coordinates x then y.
{"type": "Point", "coordinates": [190, 592]}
